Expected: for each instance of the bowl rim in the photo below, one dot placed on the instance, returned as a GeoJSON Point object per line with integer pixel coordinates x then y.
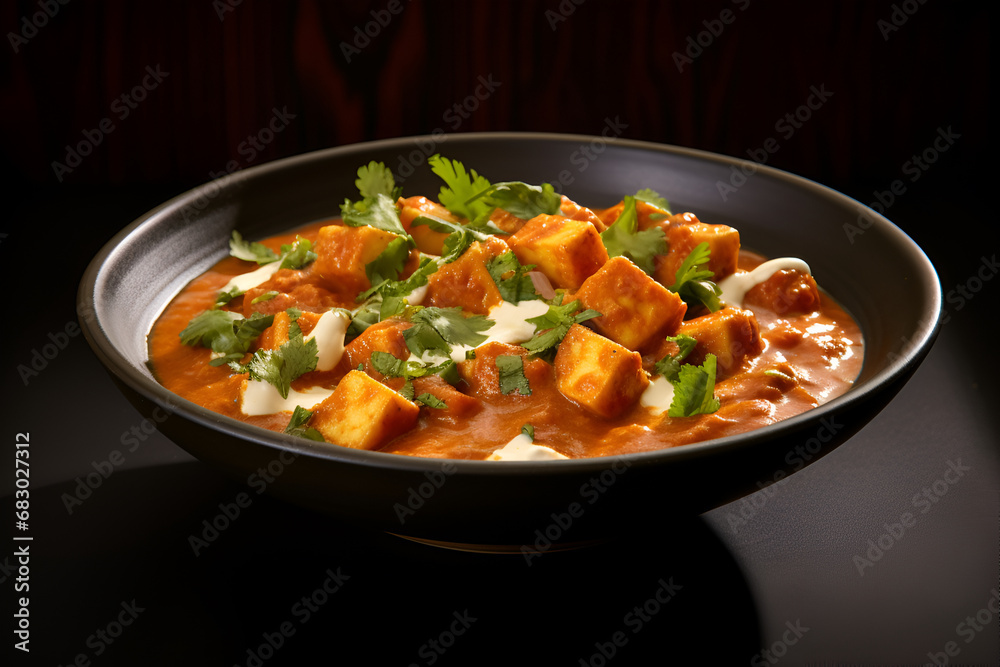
{"type": "Point", "coordinates": [899, 366]}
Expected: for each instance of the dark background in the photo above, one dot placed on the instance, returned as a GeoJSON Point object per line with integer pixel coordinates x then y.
{"type": "Point", "coordinates": [896, 76]}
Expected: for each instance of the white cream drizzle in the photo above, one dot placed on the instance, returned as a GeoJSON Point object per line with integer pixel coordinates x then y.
{"type": "Point", "coordinates": [521, 448]}
{"type": "Point", "coordinates": [262, 398]}
{"type": "Point", "coordinates": [658, 396]}
{"type": "Point", "coordinates": [735, 287]}
{"type": "Point", "coordinates": [246, 281]}
{"type": "Point", "coordinates": [329, 334]}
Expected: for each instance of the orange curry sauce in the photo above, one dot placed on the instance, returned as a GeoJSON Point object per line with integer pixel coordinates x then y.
{"type": "Point", "coordinates": [810, 357]}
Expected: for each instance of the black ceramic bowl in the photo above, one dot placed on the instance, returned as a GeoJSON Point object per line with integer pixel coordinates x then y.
{"type": "Point", "coordinates": [876, 272]}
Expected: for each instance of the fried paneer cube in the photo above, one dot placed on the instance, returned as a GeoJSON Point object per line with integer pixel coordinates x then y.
{"type": "Point", "coordinates": [482, 375]}
{"type": "Point", "coordinates": [466, 282]}
{"type": "Point", "coordinates": [731, 334]}
{"type": "Point", "coordinates": [723, 246]}
{"type": "Point", "coordinates": [385, 336]}
{"type": "Point", "coordinates": [427, 240]}
{"type": "Point", "coordinates": [276, 335]}
{"type": "Point", "coordinates": [342, 253]}
{"type": "Point", "coordinates": [567, 251]}
{"type": "Point", "coordinates": [598, 373]}
{"type": "Point", "coordinates": [636, 311]}
{"type": "Point", "coordinates": [363, 413]}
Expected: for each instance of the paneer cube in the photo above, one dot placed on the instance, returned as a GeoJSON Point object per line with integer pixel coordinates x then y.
{"type": "Point", "coordinates": [385, 336]}
{"type": "Point", "coordinates": [363, 413]}
{"type": "Point", "coordinates": [460, 406]}
{"type": "Point", "coordinates": [506, 221]}
{"type": "Point", "coordinates": [787, 291]}
{"type": "Point", "coordinates": [567, 251]}
{"type": "Point", "coordinates": [598, 373]}
{"type": "Point", "coordinates": [731, 334]}
{"type": "Point", "coordinates": [342, 253]}
{"type": "Point", "coordinates": [466, 282]}
{"type": "Point", "coordinates": [276, 335]}
{"type": "Point", "coordinates": [723, 246]}
{"type": "Point", "coordinates": [637, 311]}
{"type": "Point", "coordinates": [648, 215]}
{"type": "Point", "coordinates": [427, 240]}
{"type": "Point", "coordinates": [570, 209]}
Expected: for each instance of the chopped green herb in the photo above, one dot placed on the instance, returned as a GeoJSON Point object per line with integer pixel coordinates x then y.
{"type": "Point", "coordinates": [694, 390]}
{"type": "Point", "coordinates": [529, 431]}
{"type": "Point", "coordinates": [552, 327]}
{"type": "Point", "coordinates": [520, 199]}
{"type": "Point", "coordinates": [431, 401]}
{"type": "Point", "coordinates": [390, 262]}
{"type": "Point", "coordinates": [379, 212]}
{"type": "Point", "coordinates": [375, 179]}
{"type": "Point", "coordinates": [250, 251]}
{"type": "Point", "coordinates": [225, 333]}
{"type": "Point", "coordinates": [517, 286]}
{"type": "Point", "coordinates": [653, 197]}
{"type": "Point", "coordinates": [282, 366]}
{"type": "Point", "coordinates": [670, 365]}
{"type": "Point", "coordinates": [691, 280]}
{"type": "Point", "coordinates": [459, 236]}
{"type": "Point", "coordinates": [623, 238]}
{"type": "Point", "coordinates": [391, 366]}
{"type": "Point", "coordinates": [460, 189]}
{"type": "Point", "coordinates": [298, 254]}
{"type": "Point", "coordinates": [297, 425]}
{"type": "Point", "coordinates": [511, 368]}
{"type": "Point", "coordinates": [222, 298]}
{"type": "Point", "coordinates": [437, 329]}
{"type": "Point", "coordinates": [266, 296]}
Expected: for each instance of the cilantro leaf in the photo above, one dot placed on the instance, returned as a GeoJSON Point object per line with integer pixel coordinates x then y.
{"type": "Point", "coordinates": [623, 238]}
{"type": "Point", "coordinates": [298, 254]}
{"type": "Point", "coordinates": [552, 327]}
{"type": "Point", "coordinates": [691, 280]}
{"type": "Point", "coordinates": [694, 390]}
{"type": "Point", "coordinates": [375, 179]}
{"type": "Point", "coordinates": [529, 431]}
{"type": "Point", "coordinates": [459, 236]}
{"type": "Point", "coordinates": [379, 212]}
{"type": "Point", "coordinates": [391, 366]}
{"type": "Point", "coordinates": [511, 368]}
{"type": "Point", "coordinates": [297, 425]}
{"type": "Point", "coordinates": [225, 333]}
{"type": "Point", "coordinates": [222, 298]}
{"type": "Point", "coordinates": [460, 189]}
{"type": "Point", "coordinates": [251, 252]}
{"type": "Point", "coordinates": [431, 401]}
{"type": "Point", "coordinates": [437, 329]}
{"type": "Point", "coordinates": [518, 285]}
{"type": "Point", "coordinates": [266, 296]}
{"type": "Point", "coordinates": [670, 365]}
{"type": "Point", "coordinates": [280, 367]}
{"type": "Point", "coordinates": [390, 261]}
{"type": "Point", "coordinates": [520, 199]}
{"type": "Point", "coordinates": [653, 197]}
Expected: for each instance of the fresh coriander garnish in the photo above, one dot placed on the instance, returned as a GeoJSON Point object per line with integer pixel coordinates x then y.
{"type": "Point", "coordinates": [282, 366]}
{"type": "Point", "coordinates": [653, 197]}
{"type": "Point", "coordinates": [459, 236]}
{"type": "Point", "coordinates": [529, 431]}
{"type": "Point", "coordinates": [694, 390]}
{"type": "Point", "coordinates": [623, 238]}
{"type": "Point", "coordinates": [520, 199]}
{"type": "Point", "coordinates": [670, 365]}
{"type": "Point", "coordinates": [266, 296]}
{"type": "Point", "coordinates": [517, 286]}
{"type": "Point", "coordinates": [437, 329]}
{"type": "Point", "coordinates": [691, 281]}
{"type": "Point", "coordinates": [222, 298]}
{"type": "Point", "coordinates": [297, 425]}
{"type": "Point", "coordinates": [390, 262]}
{"type": "Point", "coordinates": [458, 195]}
{"type": "Point", "coordinates": [298, 254]}
{"type": "Point", "coordinates": [375, 179]}
{"type": "Point", "coordinates": [250, 251]}
{"type": "Point", "coordinates": [552, 327]}
{"type": "Point", "coordinates": [511, 370]}
{"type": "Point", "coordinates": [225, 333]}
{"type": "Point", "coordinates": [379, 212]}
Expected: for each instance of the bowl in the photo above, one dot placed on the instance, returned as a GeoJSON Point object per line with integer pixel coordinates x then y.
{"type": "Point", "coordinates": [869, 265]}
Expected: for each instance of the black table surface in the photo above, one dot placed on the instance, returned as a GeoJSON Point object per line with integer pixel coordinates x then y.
{"type": "Point", "coordinates": [884, 552]}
